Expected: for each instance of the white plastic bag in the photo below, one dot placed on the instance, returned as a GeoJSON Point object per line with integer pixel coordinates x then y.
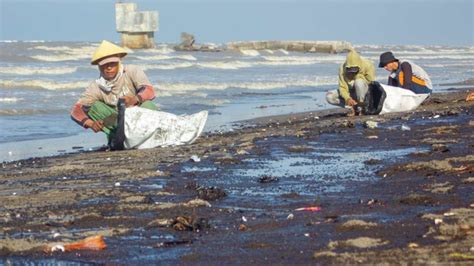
{"type": "Point", "coordinates": [400, 100]}
{"type": "Point", "coordinates": [382, 99]}
{"type": "Point", "coordinates": [146, 128]}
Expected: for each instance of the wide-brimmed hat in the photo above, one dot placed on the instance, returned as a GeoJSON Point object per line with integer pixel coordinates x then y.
{"type": "Point", "coordinates": [107, 52]}
{"type": "Point", "coordinates": [386, 58]}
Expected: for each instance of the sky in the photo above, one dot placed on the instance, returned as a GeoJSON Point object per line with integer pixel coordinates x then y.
{"type": "Point", "coordinates": [417, 22]}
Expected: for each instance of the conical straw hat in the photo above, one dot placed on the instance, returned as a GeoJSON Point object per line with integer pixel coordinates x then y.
{"type": "Point", "coordinates": [107, 49]}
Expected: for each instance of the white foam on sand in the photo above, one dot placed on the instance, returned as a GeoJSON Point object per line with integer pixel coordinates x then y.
{"type": "Point", "coordinates": [37, 70]}
{"type": "Point", "coordinates": [42, 84]}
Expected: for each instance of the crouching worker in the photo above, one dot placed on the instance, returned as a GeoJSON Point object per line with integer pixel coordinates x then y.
{"type": "Point", "coordinates": [97, 107]}
{"type": "Point", "coordinates": [405, 74]}
{"type": "Point", "coordinates": [408, 87]}
{"type": "Point", "coordinates": [355, 75]}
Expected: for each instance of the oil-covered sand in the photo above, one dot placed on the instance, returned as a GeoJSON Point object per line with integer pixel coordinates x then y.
{"type": "Point", "coordinates": [401, 192]}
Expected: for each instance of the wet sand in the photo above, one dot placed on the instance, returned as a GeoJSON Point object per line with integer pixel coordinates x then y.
{"type": "Point", "coordinates": [401, 192]}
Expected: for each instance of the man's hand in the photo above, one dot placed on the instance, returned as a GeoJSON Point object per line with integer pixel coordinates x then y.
{"type": "Point", "coordinates": [95, 125]}
{"type": "Point", "coordinates": [351, 102]}
{"type": "Point", "coordinates": [130, 100]}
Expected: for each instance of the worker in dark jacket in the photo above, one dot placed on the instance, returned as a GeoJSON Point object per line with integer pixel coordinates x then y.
{"type": "Point", "coordinates": [405, 74]}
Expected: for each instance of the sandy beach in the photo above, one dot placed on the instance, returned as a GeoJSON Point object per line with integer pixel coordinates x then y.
{"type": "Point", "coordinates": [398, 193]}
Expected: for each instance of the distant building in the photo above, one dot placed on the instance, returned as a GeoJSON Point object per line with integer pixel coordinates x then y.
{"type": "Point", "coordinates": [137, 27]}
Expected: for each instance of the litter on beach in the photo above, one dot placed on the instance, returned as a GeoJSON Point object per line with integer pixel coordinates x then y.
{"type": "Point", "coordinates": [404, 127]}
{"type": "Point", "coordinates": [195, 158]}
{"type": "Point", "coordinates": [311, 209]}
{"type": "Point", "coordinates": [89, 243]}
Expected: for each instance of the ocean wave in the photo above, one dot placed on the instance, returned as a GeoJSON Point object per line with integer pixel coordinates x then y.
{"type": "Point", "coordinates": [237, 64]}
{"type": "Point", "coordinates": [13, 112]}
{"type": "Point", "coordinates": [167, 57]}
{"type": "Point", "coordinates": [170, 66]}
{"type": "Point", "coordinates": [66, 53]}
{"type": "Point", "coordinates": [249, 52]}
{"type": "Point", "coordinates": [160, 50]}
{"type": "Point", "coordinates": [309, 82]}
{"type": "Point", "coordinates": [302, 60]}
{"type": "Point", "coordinates": [59, 57]}
{"type": "Point", "coordinates": [226, 65]}
{"type": "Point", "coordinates": [414, 49]}
{"type": "Point", "coordinates": [439, 56]}
{"type": "Point", "coordinates": [51, 48]}
{"type": "Point", "coordinates": [43, 84]}
{"type": "Point", "coordinates": [10, 100]}
{"type": "Point", "coordinates": [37, 71]}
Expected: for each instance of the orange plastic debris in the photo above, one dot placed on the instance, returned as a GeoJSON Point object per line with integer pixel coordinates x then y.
{"type": "Point", "coordinates": [90, 243]}
{"type": "Point", "coordinates": [312, 209]}
{"type": "Point", "coordinates": [470, 97]}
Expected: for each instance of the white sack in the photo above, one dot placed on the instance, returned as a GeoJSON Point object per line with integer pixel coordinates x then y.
{"type": "Point", "coordinates": [400, 100]}
{"type": "Point", "coordinates": [146, 128]}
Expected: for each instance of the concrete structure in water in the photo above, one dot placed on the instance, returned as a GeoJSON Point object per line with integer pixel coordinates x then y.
{"type": "Point", "coordinates": [137, 27]}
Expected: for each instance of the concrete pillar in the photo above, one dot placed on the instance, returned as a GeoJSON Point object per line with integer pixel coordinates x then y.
{"type": "Point", "coordinates": [137, 28]}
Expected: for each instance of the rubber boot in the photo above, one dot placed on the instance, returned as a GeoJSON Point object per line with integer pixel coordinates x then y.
{"type": "Point", "coordinates": [116, 142]}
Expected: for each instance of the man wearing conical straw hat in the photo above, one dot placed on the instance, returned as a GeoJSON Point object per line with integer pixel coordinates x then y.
{"type": "Point", "coordinates": [97, 107]}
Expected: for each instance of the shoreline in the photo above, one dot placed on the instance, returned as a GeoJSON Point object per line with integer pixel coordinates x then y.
{"type": "Point", "coordinates": [87, 141]}
{"type": "Point", "coordinates": [381, 192]}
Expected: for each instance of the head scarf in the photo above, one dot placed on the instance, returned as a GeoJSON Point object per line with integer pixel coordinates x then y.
{"type": "Point", "coordinates": [108, 85]}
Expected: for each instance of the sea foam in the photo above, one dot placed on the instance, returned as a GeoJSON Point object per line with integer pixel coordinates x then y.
{"type": "Point", "coordinates": [10, 100]}
{"type": "Point", "coordinates": [42, 84]}
{"type": "Point", "coordinates": [37, 70]}
{"type": "Point", "coordinates": [167, 57]}
{"type": "Point", "coordinates": [308, 82]}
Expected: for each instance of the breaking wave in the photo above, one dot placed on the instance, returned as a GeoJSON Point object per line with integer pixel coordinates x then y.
{"type": "Point", "coordinates": [226, 65]}
{"type": "Point", "coordinates": [42, 84]}
{"type": "Point", "coordinates": [292, 60]}
{"type": "Point", "coordinates": [170, 66]}
{"type": "Point", "coordinates": [13, 112]}
{"type": "Point", "coordinates": [10, 100]}
{"type": "Point", "coordinates": [183, 87]}
{"type": "Point", "coordinates": [66, 53]}
{"type": "Point", "coordinates": [59, 57]}
{"type": "Point", "coordinates": [161, 50]}
{"type": "Point", "coordinates": [54, 48]}
{"type": "Point", "coordinates": [249, 52]}
{"type": "Point", "coordinates": [168, 57]}
{"type": "Point", "coordinates": [37, 71]}
{"type": "Point", "coordinates": [237, 64]}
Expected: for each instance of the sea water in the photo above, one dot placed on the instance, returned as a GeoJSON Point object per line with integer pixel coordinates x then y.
{"type": "Point", "coordinates": [40, 81]}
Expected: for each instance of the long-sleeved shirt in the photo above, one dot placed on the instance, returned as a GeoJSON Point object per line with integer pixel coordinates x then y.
{"type": "Point", "coordinates": [405, 67]}
{"type": "Point", "coordinates": [133, 82]}
{"type": "Point", "coordinates": [411, 77]}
